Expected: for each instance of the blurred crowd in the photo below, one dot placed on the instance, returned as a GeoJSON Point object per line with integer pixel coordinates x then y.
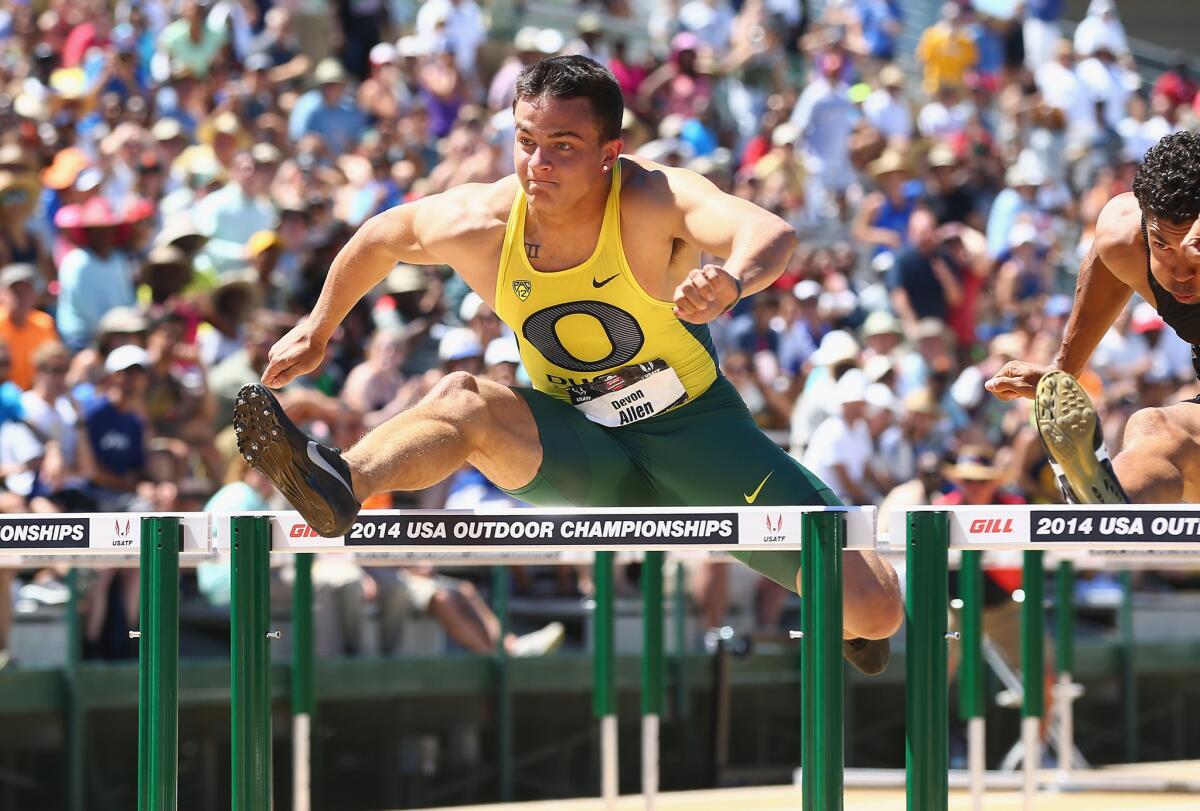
{"type": "Point", "coordinates": [176, 177]}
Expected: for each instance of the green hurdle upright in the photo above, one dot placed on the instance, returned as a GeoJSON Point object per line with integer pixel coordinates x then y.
{"type": "Point", "coordinates": [604, 691]}
{"type": "Point", "coordinates": [1033, 642]}
{"type": "Point", "coordinates": [653, 672]}
{"type": "Point", "coordinates": [927, 748]}
{"type": "Point", "coordinates": [158, 665]}
{"type": "Point", "coordinates": [250, 663]}
{"type": "Point", "coordinates": [822, 754]}
{"type": "Point", "coordinates": [1066, 691]}
{"type": "Point", "coordinates": [303, 694]}
{"type": "Point", "coordinates": [971, 702]}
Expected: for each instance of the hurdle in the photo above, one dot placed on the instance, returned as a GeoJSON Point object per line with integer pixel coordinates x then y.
{"type": "Point", "coordinates": [820, 533]}
{"type": "Point", "coordinates": [1129, 533]}
{"type": "Point", "coordinates": [1118, 536]}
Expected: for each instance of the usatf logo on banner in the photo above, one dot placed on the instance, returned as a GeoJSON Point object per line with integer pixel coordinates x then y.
{"type": "Point", "coordinates": [775, 533]}
{"type": "Point", "coordinates": [122, 532]}
{"type": "Point", "coordinates": [43, 533]}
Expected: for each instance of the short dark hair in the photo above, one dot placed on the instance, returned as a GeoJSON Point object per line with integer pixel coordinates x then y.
{"type": "Point", "coordinates": [575, 77]}
{"type": "Point", "coordinates": [1167, 183]}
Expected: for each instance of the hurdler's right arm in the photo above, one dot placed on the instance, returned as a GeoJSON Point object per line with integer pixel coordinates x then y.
{"type": "Point", "coordinates": [401, 234]}
{"type": "Point", "coordinates": [382, 242]}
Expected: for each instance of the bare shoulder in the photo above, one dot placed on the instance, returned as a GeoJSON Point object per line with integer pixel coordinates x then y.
{"type": "Point", "coordinates": [468, 212]}
{"type": "Point", "coordinates": [1119, 242]}
{"type": "Point", "coordinates": [645, 181]}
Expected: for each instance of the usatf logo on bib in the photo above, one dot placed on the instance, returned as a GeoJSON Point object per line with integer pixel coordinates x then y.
{"type": "Point", "coordinates": [523, 287]}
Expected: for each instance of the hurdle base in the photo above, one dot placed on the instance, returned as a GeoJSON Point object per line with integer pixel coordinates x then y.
{"type": "Point", "coordinates": [1048, 780]}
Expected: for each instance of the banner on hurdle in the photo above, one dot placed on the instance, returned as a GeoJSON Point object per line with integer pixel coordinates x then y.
{"type": "Point", "coordinates": [519, 531]}
{"type": "Point", "coordinates": [1140, 528]}
{"type": "Point", "coordinates": [97, 534]}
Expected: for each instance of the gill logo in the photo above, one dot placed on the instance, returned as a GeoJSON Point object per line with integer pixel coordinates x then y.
{"type": "Point", "coordinates": [991, 526]}
{"type": "Point", "coordinates": [523, 287]}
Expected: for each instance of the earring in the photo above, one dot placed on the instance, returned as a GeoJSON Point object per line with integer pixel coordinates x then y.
{"type": "Point", "coordinates": [604, 167]}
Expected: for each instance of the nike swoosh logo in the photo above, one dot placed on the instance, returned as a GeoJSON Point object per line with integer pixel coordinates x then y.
{"type": "Point", "coordinates": [750, 498]}
{"type": "Point", "coordinates": [606, 281]}
{"type": "Point", "coordinates": [317, 459]}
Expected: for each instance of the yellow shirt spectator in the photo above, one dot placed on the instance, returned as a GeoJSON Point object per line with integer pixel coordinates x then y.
{"type": "Point", "coordinates": [947, 53]}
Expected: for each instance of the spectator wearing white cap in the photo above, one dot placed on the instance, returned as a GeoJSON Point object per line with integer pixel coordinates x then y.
{"type": "Point", "coordinates": [841, 448]}
{"type": "Point", "coordinates": [1016, 202]}
{"type": "Point", "coordinates": [502, 360]}
{"type": "Point", "coordinates": [887, 109]}
{"type": "Point", "coordinates": [837, 354]}
{"type": "Point", "coordinates": [883, 420]}
{"type": "Point", "coordinates": [459, 350]}
{"type": "Point", "coordinates": [806, 328]}
{"type": "Point", "coordinates": [116, 429]}
{"type": "Point", "coordinates": [480, 319]}
{"type": "Point", "coordinates": [1026, 277]}
{"type": "Point", "coordinates": [1100, 30]}
{"type": "Point", "coordinates": [882, 335]}
{"type": "Point", "coordinates": [527, 49]}
{"type": "Point", "coordinates": [460, 22]}
{"type": "Point", "coordinates": [383, 94]}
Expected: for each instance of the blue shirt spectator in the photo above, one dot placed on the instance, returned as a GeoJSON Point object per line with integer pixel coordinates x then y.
{"type": "Point", "coordinates": [328, 111]}
{"type": "Point", "coordinates": [881, 21]}
{"type": "Point", "coordinates": [91, 284]}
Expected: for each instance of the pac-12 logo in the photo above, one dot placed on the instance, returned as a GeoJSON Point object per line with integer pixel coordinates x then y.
{"type": "Point", "coordinates": [991, 526]}
{"type": "Point", "coordinates": [523, 287]}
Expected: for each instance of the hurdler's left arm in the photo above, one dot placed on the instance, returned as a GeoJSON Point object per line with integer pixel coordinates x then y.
{"type": "Point", "coordinates": [755, 243]}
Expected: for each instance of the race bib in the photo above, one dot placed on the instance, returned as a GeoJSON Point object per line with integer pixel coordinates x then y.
{"type": "Point", "coordinates": [630, 394]}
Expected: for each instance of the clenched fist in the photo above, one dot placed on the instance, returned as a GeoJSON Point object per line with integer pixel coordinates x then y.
{"type": "Point", "coordinates": [295, 354]}
{"type": "Point", "coordinates": [1017, 378]}
{"type": "Point", "coordinates": [704, 294]}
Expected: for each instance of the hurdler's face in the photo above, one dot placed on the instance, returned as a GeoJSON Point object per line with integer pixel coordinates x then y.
{"type": "Point", "coordinates": [558, 153]}
{"type": "Point", "coordinates": [1175, 257]}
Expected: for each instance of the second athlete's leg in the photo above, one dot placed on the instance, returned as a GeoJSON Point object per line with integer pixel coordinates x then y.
{"type": "Point", "coordinates": [1159, 462]}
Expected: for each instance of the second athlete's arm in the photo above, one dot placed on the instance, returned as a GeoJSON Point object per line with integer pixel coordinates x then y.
{"type": "Point", "coordinates": [1100, 296]}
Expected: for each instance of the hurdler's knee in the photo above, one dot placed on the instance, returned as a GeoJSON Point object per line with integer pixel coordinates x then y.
{"type": "Point", "coordinates": [457, 396]}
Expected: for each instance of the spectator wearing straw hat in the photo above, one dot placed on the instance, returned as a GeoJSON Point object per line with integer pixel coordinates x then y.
{"type": "Point", "coordinates": [327, 110]}
{"type": "Point", "coordinates": [23, 327]}
{"type": "Point", "coordinates": [882, 219]}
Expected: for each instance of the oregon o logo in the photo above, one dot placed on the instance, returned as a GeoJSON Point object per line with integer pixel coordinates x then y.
{"type": "Point", "coordinates": [621, 328]}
